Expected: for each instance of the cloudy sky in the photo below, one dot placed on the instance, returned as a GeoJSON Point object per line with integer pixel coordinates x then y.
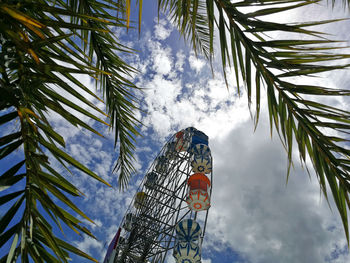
{"type": "Point", "coordinates": [255, 217]}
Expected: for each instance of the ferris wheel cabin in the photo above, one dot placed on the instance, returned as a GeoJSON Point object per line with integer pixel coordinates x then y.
{"type": "Point", "coordinates": [198, 198]}
{"type": "Point", "coordinates": [187, 247]}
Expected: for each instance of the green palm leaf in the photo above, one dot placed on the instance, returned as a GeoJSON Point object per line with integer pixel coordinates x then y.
{"type": "Point", "coordinates": [45, 44]}
{"type": "Point", "coordinates": [273, 64]}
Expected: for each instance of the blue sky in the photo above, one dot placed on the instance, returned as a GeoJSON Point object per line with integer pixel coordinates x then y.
{"type": "Point", "coordinates": [254, 216]}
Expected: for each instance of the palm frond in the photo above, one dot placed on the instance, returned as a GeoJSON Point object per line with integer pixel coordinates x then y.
{"type": "Point", "coordinates": [41, 51]}
{"type": "Point", "coordinates": [274, 64]}
{"type": "Point", "coordinates": [118, 91]}
{"type": "Point", "coordinates": [192, 22]}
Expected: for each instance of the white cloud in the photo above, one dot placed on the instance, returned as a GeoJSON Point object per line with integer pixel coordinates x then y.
{"type": "Point", "coordinates": [196, 63]}
{"type": "Point", "coordinates": [88, 244]}
{"type": "Point", "coordinates": [180, 60]}
{"type": "Point", "coordinates": [162, 29]}
{"type": "Point", "coordinates": [255, 213]}
{"type": "Point", "coordinates": [161, 58]}
{"type": "Point", "coordinates": [162, 64]}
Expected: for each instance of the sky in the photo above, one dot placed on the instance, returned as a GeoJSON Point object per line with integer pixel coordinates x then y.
{"type": "Point", "coordinates": [255, 217]}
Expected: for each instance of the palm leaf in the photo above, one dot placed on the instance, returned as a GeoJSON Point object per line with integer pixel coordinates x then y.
{"type": "Point", "coordinates": [45, 44]}
{"type": "Point", "coordinates": [275, 63]}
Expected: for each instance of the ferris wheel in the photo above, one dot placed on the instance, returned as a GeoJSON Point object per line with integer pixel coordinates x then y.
{"type": "Point", "coordinates": [168, 215]}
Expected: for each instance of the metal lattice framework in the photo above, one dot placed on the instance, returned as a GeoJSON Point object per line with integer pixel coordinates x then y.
{"type": "Point", "coordinates": [147, 233]}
